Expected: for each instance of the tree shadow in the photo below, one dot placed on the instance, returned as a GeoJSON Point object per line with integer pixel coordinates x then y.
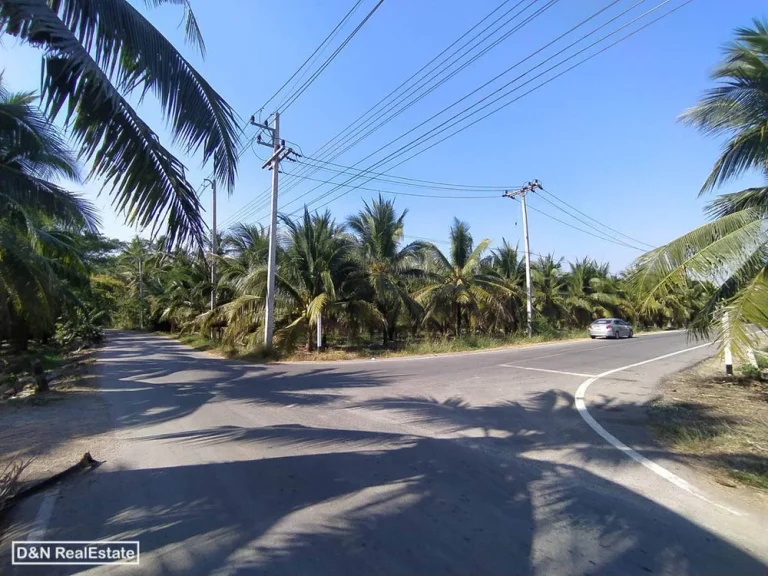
{"type": "Point", "coordinates": [385, 504]}
{"type": "Point", "coordinates": [458, 489]}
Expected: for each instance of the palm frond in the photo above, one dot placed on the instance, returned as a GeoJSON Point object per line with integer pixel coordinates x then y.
{"type": "Point", "coordinates": [191, 27]}
{"type": "Point", "coordinates": [707, 252]}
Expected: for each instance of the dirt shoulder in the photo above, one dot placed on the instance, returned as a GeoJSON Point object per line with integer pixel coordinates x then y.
{"type": "Point", "coordinates": [51, 431]}
{"type": "Point", "coordinates": [718, 423]}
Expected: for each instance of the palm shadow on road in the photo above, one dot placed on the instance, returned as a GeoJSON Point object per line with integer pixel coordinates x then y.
{"type": "Point", "coordinates": [459, 490]}
{"type": "Point", "coordinates": [467, 499]}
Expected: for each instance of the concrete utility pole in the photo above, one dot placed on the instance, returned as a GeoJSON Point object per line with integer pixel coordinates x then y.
{"type": "Point", "coordinates": [320, 331]}
{"type": "Point", "coordinates": [213, 244]}
{"type": "Point", "coordinates": [530, 187]}
{"type": "Point", "coordinates": [141, 297]}
{"type": "Point", "coordinates": [727, 336]}
{"type": "Point", "coordinates": [279, 153]}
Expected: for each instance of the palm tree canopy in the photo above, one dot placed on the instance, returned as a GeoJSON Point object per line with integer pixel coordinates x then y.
{"type": "Point", "coordinates": [723, 263]}
{"type": "Point", "coordinates": [32, 154]}
{"type": "Point", "coordinates": [95, 52]}
{"type": "Point", "coordinates": [738, 107]}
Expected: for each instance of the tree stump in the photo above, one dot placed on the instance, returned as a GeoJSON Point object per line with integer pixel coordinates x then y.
{"type": "Point", "coordinates": [41, 382]}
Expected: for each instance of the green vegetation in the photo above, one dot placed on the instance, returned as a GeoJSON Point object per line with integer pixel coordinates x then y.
{"type": "Point", "coordinates": [60, 281]}
{"type": "Point", "coordinates": [731, 250]}
{"type": "Point", "coordinates": [94, 54]}
{"type": "Point", "coordinates": [377, 296]}
{"type": "Point", "coordinates": [718, 421]}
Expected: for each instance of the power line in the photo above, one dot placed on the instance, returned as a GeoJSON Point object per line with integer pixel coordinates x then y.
{"type": "Point", "coordinates": [330, 59]}
{"type": "Point", "coordinates": [587, 224]}
{"type": "Point", "coordinates": [452, 74]}
{"type": "Point", "coordinates": [395, 91]}
{"type": "Point", "coordinates": [605, 239]}
{"type": "Point", "coordinates": [427, 135]}
{"type": "Point", "coordinates": [439, 129]}
{"type": "Point", "coordinates": [328, 39]}
{"type": "Point", "coordinates": [386, 178]}
{"type": "Point", "coordinates": [393, 179]}
{"type": "Point", "coordinates": [334, 150]}
{"type": "Point", "coordinates": [441, 197]}
{"type": "Point", "coordinates": [404, 83]}
{"type": "Point", "coordinates": [602, 224]}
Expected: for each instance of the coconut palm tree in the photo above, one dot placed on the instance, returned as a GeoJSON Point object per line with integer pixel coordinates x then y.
{"type": "Point", "coordinates": [385, 265]}
{"type": "Point", "coordinates": [95, 54]}
{"type": "Point", "coordinates": [508, 264]}
{"type": "Point", "coordinates": [730, 251]}
{"type": "Point", "coordinates": [318, 275]}
{"type": "Point", "coordinates": [549, 286]}
{"type": "Point", "coordinates": [590, 291]}
{"type": "Point", "coordinates": [456, 287]}
{"type": "Point", "coordinates": [38, 221]}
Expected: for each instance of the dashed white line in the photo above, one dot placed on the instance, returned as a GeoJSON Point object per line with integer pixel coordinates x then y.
{"type": "Point", "coordinates": [44, 513]}
{"type": "Point", "coordinates": [546, 370]}
{"type": "Point", "coordinates": [619, 445]}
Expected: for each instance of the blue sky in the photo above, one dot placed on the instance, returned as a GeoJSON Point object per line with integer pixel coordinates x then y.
{"type": "Point", "coordinates": [603, 137]}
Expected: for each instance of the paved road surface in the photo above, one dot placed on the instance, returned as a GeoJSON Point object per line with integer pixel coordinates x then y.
{"type": "Point", "coordinates": [471, 464]}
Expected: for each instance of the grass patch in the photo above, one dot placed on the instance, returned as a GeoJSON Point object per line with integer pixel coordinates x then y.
{"type": "Point", "coordinates": [755, 479]}
{"type": "Point", "coordinates": [197, 341]}
{"type": "Point", "coordinates": [421, 347]}
{"type": "Point", "coordinates": [716, 421]}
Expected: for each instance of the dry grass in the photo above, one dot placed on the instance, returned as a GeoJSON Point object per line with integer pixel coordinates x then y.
{"type": "Point", "coordinates": [718, 421]}
{"type": "Point", "coordinates": [10, 480]}
{"type": "Point", "coordinates": [425, 347]}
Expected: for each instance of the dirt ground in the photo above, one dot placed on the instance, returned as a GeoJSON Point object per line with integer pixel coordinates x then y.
{"type": "Point", "coordinates": [718, 423]}
{"type": "Point", "coordinates": [52, 431]}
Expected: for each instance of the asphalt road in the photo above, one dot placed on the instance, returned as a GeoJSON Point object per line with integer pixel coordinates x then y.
{"type": "Point", "coordinates": [466, 464]}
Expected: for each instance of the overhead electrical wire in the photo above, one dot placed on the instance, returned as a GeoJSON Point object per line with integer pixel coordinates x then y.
{"type": "Point", "coordinates": [328, 61]}
{"type": "Point", "coordinates": [417, 75]}
{"type": "Point", "coordinates": [582, 230]}
{"type": "Point", "coordinates": [426, 135]}
{"type": "Point", "coordinates": [599, 222]}
{"type": "Point", "coordinates": [438, 196]}
{"type": "Point", "coordinates": [404, 181]}
{"type": "Point", "coordinates": [437, 130]}
{"type": "Point", "coordinates": [335, 152]}
{"type": "Point", "coordinates": [326, 41]}
{"type": "Point", "coordinates": [431, 89]}
{"type": "Point", "coordinates": [345, 131]}
{"type": "Point", "coordinates": [306, 65]}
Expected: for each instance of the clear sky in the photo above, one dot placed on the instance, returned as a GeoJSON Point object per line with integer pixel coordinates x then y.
{"type": "Point", "coordinates": [603, 137]}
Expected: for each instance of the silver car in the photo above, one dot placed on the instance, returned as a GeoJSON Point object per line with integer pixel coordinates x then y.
{"type": "Point", "coordinates": [610, 328]}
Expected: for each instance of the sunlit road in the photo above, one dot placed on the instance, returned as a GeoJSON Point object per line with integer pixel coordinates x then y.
{"type": "Point", "coordinates": [473, 464]}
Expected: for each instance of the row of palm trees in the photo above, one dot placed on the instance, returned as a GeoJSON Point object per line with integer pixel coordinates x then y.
{"type": "Point", "coordinates": [367, 285]}
{"type": "Point", "coordinates": [56, 272]}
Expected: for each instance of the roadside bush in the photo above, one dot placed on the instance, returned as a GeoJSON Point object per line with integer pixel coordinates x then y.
{"type": "Point", "coordinates": [79, 330]}
{"type": "Point", "coordinates": [751, 371]}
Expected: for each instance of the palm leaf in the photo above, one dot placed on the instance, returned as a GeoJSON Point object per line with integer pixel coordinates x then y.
{"type": "Point", "coordinates": [147, 181]}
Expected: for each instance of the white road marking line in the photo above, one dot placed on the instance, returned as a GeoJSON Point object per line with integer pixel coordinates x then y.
{"type": "Point", "coordinates": [550, 371]}
{"type": "Point", "coordinates": [619, 445]}
{"type": "Point", "coordinates": [44, 513]}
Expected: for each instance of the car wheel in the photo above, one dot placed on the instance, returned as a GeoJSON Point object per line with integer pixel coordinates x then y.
{"type": "Point", "coordinates": [631, 334]}
{"type": "Point", "coordinates": [593, 337]}
{"type": "Point", "coordinates": [617, 335]}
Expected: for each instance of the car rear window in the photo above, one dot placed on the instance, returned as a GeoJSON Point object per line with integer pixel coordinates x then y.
{"type": "Point", "coordinates": [601, 322]}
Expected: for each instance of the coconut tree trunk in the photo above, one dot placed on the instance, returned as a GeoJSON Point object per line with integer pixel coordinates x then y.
{"type": "Point", "coordinates": [458, 320]}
